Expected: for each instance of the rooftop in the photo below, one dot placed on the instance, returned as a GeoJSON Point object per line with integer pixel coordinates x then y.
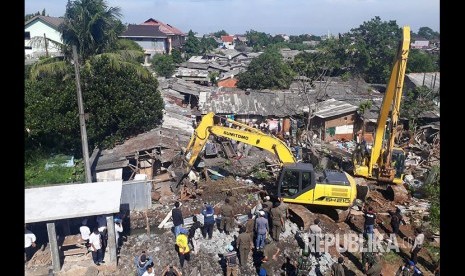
{"type": "Point", "coordinates": [430, 80]}
{"type": "Point", "coordinates": [143, 31]}
{"type": "Point", "coordinates": [332, 107]}
{"type": "Point", "coordinates": [72, 201]}
{"type": "Point", "coordinates": [53, 21]}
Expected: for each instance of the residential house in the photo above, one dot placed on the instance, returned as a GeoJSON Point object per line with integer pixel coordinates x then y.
{"type": "Point", "coordinates": [420, 43]}
{"type": "Point", "coordinates": [334, 120]}
{"type": "Point", "coordinates": [241, 38]}
{"type": "Point", "coordinates": [155, 37]}
{"type": "Point", "coordinates": [42, 36]}
{"type": "Point", "coordinates": [228, 41]}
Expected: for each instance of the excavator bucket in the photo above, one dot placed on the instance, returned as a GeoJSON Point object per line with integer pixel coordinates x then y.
{"type": "Point", "coordinates": [178, 170]}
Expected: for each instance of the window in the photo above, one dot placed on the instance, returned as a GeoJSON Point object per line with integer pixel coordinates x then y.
{"type": "Point", "coordinates": [27, 35]}
{"type": "Point", "coordinates": [290, 183]}
{"type": "Point", "coordinates": [306, 180]}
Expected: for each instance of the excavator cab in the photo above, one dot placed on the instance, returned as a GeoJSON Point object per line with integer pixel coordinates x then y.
{"type": "Point", "coordinates": [299, 183]}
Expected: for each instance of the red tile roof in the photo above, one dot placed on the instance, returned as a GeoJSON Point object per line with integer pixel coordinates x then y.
{"type": "Point", "coordinates": [231, 83]}
{"type": "Point", "coordinates": [165, 28]}
{"type": "Point", "coordinates": [227, 38]}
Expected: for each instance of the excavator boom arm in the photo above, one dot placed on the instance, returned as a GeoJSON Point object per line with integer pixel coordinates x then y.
{"type": "Point", "coordinates": [250, 136]}
{"type": "Point", "coordinates": [392, 99]}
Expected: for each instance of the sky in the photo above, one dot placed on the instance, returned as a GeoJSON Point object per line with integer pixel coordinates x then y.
{"type": "Point", "coordinates": [292, 17]}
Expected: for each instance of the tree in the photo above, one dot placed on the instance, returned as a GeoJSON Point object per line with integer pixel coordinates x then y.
{"type": "Point", "coordinates": [207, 44]}
{"type": "Point", "coordinates": [163, 65]}
{"type": "Point", "coordinates": [176, 55]}
{"type": "Point", "coordinates": [43, 12]}
{"type": "Point", "coordinates": [93, 28]}
{"type": "Point", "coordinates": [120, 104]}
{"type": "Point", "coordinates": [428, 33]}
{"type": "Point", "coordinates": [375, 44]}
{"type": "Point", "coordinates": [266, 71]}
{"type": "Point", "coordinates": [420, 61]}
{"type": "Point", "coordinates": [416, 102]}
{"type": "Point", "coordinates": [257, 39]}
{"type": "Point", "coordinates": [218, 34]}
{"type": "Point", "coordinates": [90, 25]}
{"type": "Point", "coordinates": [192, 45]}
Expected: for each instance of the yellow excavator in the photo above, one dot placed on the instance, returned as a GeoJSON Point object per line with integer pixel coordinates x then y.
{"type": "Point", "coordinates": [385, 163]}
{"type": "Point", "coordinates": [297, 182]}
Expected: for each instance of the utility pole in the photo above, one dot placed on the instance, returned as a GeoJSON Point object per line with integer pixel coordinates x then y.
{"type": "Point", "coordinates": [82, 119]}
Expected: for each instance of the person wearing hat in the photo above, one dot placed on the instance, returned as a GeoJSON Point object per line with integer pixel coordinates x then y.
{"type": "Point", "coordinates": [227, 217]}
{"type": "Point", "coordinates": [261, 229]}
{"type": "Point", "coordinates": [316, 236]}
{"type": "Point", "coordinates": [267, 205]}
{"type": "Point", "coordinates": [182, 246]}
{"type": "Point", "coordinates": [277, 221]}
{"type": "Point", "coordinates": [336, 268]}
{"type": "Point", "coordinates": [245, 244]}
{"type": "Point", "coordinates": [208, 221]}
{"type": "Point", "coordinates": [142, 262]}
{"type": "Point", "coordinates": [408, 269]}
{"type": "Point", "coordinates": [250, 225]}
{"type": "Point", "coordinates": [85, 232]}
{"type": "Point", "coordinates": [231, 261]}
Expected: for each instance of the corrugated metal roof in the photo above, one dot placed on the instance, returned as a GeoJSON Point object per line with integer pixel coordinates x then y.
{"type": "Point", "coordinates": [332, 107]}
{"type": "Point", "coordinates": [430, 80]}
{"type": "Point", "coordinates": [237, 102]}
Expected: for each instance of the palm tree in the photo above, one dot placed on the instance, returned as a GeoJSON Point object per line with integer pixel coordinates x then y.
{"type": "Point", "coordinates": [91, 25]}
{"type": "Point", "coordinates": [94, 28]}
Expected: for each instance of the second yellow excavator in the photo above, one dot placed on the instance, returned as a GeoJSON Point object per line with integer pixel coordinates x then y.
{"type": "Point", "coordinates": [385, 163]}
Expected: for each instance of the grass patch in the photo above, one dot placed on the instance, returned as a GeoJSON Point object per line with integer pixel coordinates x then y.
{"type": "Point", "coordinates": [35, 173]}
{"type": "Point", "coordinates": [391, 257]}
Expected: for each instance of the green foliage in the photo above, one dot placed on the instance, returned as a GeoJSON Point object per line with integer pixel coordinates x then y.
{"type": "Point", "coordinates": [432, 189]}
{"type": "Point", "coordinates": [35, 173]}
{"type": "Point", "coordinates": [126, 44]}
{"type": "Point", "coordinates": [376, 44]}
{"type": "Point", "coordinates": [163, 65]}
{"type": "Point", "coordinates": [416, 102]}
{"type": "Point", "coordinates": [310, 65]}
{"type": "Point", "coordinates": [176, 55]}
{"type": "Point", "coordinates": [303, 37]}
{"type": "Point", "coordinates": [364, 106]}
{"type": "Point", "coordinates": [391, 257]}
{"type": "Point", "coordinates": [207, 44]}
{"type": "Point", "coordinates": [218, 34]}
{"type": "Point", "coordinates": [192, 45]}
{"type": "Point", "coordinates": [345, 76]}
{"type": "Point", "coordinates": [420, 61]}
{"type": "Point", "coordinates": [90, 25]}
{"type": "Point", "coordinates": [266, 71]}
{"type": "Point", "coordinates": [213, 76]}
{"type": "Point", "coordinates": [428, 33]}
{"type": "Point", "coordinates": [257, 39]}
{"type": "Point", "coordinates": [120, 103]}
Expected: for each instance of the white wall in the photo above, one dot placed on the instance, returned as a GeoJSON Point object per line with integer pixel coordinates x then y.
{"type": "Point", "coordinates": [38, 28]}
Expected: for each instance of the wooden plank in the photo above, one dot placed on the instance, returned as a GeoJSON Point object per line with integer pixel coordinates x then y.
{"type": "Point", "coordinates": [75, 251]}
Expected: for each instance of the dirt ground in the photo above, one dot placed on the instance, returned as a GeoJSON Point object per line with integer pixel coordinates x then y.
{"type": "Point", "coordinates": [160, 243]}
